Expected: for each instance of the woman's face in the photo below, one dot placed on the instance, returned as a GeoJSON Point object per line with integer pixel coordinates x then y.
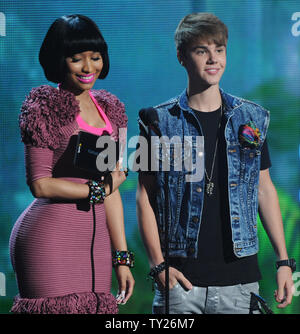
{"type": "Point", "coordinates": [83, 70]}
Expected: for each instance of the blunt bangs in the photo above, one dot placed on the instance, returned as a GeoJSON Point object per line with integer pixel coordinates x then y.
{"type": "Point", "coordinates": [81, 37]}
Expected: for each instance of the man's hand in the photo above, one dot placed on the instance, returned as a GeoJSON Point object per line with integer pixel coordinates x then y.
{"type": "Point", "coordinates": [175, 276]}
{"type": "Point", "coordinates": [284, 294]}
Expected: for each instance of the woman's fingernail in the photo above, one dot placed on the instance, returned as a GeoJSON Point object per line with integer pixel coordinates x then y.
{"type": "Point", "coordinates": [121, 295]}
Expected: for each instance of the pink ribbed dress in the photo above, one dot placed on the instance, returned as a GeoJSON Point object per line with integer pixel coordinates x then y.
{"type": "Point", "coordinates": [62, 260]}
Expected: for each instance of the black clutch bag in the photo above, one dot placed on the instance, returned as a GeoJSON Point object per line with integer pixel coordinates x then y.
{"type": "Point", "coordinates": [96, 154]}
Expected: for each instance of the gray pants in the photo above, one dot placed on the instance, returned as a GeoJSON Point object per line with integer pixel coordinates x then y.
{"type": "Point", "coordinates": [233, 299]}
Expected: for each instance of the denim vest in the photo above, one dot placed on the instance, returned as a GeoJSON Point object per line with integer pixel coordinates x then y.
{"type": "Point", "coordinates": [186, 198]}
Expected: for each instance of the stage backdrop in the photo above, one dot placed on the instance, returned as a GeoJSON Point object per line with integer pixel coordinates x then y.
{"type": "Point", "coordinates": [263, 65]}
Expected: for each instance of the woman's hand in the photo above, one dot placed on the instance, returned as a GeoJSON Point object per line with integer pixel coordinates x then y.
{"type": "Point", "coordinates": [126, 284]}
{"type": "Point", "coordinates": [116, 178]}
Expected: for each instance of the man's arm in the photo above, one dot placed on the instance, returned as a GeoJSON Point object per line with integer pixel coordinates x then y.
{"type": "Point", "coordinates": [146, 219]}
{"type": "Point", "coordinates": [270, 215]}
{"type": "Point", "coordinates": [149, 231]}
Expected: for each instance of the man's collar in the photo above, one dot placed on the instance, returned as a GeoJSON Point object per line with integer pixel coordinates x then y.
{"type": "Point", "coordinates": [230, 102]}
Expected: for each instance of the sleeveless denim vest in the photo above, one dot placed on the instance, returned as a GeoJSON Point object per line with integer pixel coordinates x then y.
{"type": "Point", "coordinates": [186, 198]}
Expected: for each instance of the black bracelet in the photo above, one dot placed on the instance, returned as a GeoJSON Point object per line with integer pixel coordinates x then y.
{"type": "Point", "coordinates": [157, 270]}
{"type": "Point", "coordinates": [109, 180]}
{"type": "Point", "coordinates": [126, 172]}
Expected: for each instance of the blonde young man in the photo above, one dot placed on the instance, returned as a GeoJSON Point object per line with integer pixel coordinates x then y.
{"type": "Point", "coordinates": [212, 232]}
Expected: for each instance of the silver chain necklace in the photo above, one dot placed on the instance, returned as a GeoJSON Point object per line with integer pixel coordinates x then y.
{"type": "Point", "coordinates": [210, 185]}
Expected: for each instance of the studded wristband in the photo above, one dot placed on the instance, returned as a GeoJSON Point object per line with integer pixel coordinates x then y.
{"type": "Point", "coordinates": [125, 258]}
{"type": "Point", "coordinates": [157, 270]}
{"type": "Point", "coordinates": [97, 191]}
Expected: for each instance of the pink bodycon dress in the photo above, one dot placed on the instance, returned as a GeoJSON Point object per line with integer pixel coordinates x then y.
{"type": "Point", "coordinates": [61, 256]}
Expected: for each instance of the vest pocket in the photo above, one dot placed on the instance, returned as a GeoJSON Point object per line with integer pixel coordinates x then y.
{"type": "Point", "coordinates": [175, 198]}
{"type": "Point", "coordinates": [168, 156]}
{"type": "Point", "coordinates": [248, 179]}
{"type": "Point", "coordinates": [249, 164]}
{"type": "Point", "coordinates": [177, 155]}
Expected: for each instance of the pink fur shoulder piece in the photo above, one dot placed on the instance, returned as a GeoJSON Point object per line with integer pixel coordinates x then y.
{"type": "Point", "coordinates": [47, 109]}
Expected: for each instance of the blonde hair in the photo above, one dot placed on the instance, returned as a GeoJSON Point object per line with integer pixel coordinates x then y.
{"type": "Point", "coordinates": [205, 26]}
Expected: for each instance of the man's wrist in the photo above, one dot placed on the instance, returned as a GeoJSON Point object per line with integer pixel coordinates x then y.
{"type": "Point", "coordinates": [288, 262]}
{"type": "Point", "coordinates": [156, 270]}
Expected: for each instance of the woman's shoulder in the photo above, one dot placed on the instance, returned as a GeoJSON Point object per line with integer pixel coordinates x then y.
{"type": "Point", "coordinates": [49, 96]}
{"type": "Point", "coordinates": [44, 111]}
{"type": "Point", "coordinates": [106, 97]}
{"type": "Point", "coordinates": [42, 91]}
{"type": "Point", "coordinates": [113, 107]}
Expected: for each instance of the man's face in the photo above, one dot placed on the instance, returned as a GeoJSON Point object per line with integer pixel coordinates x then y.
{"type": "Point", "coordinates": [205, 62]}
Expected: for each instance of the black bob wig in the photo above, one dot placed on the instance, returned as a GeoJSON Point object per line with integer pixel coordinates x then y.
{"type": "Point", "coordinates": [67, 36]}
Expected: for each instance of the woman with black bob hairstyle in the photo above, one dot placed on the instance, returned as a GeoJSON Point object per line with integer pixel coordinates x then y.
{"type": "Point", "coordinates": [64, 244]}
{"type": "Point", "coordinates": [67, 36]}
